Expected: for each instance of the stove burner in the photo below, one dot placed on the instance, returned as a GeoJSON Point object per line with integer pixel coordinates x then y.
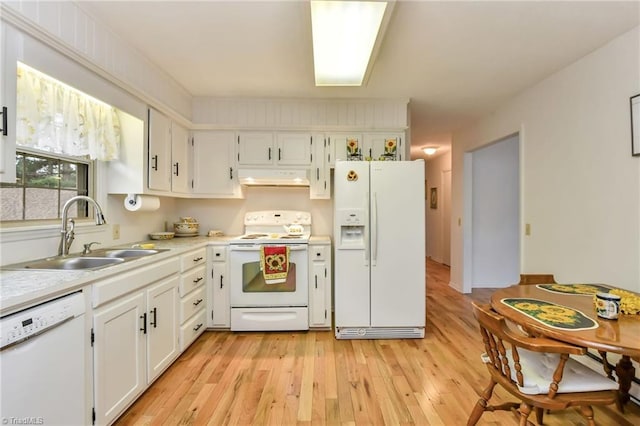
{"type": "Point", "coordinates": [253, 236]}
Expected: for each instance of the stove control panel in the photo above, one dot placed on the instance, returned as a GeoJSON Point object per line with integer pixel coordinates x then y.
{"type": "Point", "coordinates": [277, 217]}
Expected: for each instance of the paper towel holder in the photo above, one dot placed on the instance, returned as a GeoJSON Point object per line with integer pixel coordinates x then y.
{"type": "Point", "coordinates": [131, 199]}
{"type": "Point", "coordinates": [141, 203]}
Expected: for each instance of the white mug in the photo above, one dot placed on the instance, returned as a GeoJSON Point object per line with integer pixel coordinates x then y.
{"type": "Point", "coordinates": [607, 305]}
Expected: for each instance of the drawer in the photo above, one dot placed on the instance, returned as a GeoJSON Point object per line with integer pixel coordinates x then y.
{"type": "Point", "coordinates": [318, 252]}
{"type": "Point", "coordinates": [193, 279]}
{"type": "Point", "coordinates": [192, 329]}
{"type": "Point", "coordinates": [193, 258]}
{"type": "Point", "coordinates": [191, 304]}
{"type": "Point", "coordinates": [218, 254]}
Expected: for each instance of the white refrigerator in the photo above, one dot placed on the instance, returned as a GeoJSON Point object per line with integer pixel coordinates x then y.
{"type": "Point", "coordinates": [379, 234]}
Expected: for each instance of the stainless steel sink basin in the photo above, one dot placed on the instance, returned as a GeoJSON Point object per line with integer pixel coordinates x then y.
{"type": "Point", "coordinates": [124, 252]}
{"type": "Point", "coordinates": [95, 260]}
{"type": "Point", "coordinates": [72, 263]}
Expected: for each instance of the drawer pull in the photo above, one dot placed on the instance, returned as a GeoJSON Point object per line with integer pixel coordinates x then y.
{"type": "Point", "coordinates": [198, 259]}
{"type": "Point", "coordinates": [197, 327]}
{"type": "Point", "coordinates": [197, 302]}
{"type": "Point", "coordinates": [197, 280]}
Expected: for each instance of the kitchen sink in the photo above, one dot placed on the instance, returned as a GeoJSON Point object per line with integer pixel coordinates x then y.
{"type": "Point", "coordinates": [70, 263]}
{"type": "Point", "coordinates": [95, 260]}
{"type": "Point", "coordinates": [124, 253]}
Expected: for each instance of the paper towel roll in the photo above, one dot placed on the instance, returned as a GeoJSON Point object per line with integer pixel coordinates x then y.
{"type": "Point", "coordinates": [141, 203]}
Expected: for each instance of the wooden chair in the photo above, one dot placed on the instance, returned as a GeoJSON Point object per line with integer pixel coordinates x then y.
{"type": "Point", "coordinates": [526, 279]}
{"type": "Point", "coordinates": [537, 371]}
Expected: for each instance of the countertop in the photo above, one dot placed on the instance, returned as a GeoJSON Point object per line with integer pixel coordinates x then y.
{"type": "Point", "coordinates": [24, 288]}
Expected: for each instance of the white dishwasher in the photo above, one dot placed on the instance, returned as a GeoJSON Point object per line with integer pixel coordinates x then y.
{"type": "Point", "coordinates": [42, 364]}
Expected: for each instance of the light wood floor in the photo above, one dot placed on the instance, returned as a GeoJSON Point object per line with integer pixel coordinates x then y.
{"type": "Point", "coordinates": [283, 378]}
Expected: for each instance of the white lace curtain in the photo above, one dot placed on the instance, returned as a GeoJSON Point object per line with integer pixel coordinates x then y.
{"type": "Point", "coordinates": [56, 118]}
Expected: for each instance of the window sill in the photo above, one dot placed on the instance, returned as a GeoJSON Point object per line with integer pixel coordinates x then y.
{"type": "Point", "coordinates": [9, 234]}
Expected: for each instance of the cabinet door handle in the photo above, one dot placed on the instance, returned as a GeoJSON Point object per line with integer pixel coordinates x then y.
{"type": "Point", "coordinates": [197, 327]}
{"type": "Point", "coordinates": [317, 173]}
{"type": "Point", "coordinates": [316, 277]}
{"type": "Point", "coordinates": [154, 323]}
{"type": "Point", "coordinates": [4, 121]}
{"type": "Point", "coordinates": [279, 154]}
{"type": "Point", "coordinates": [221, 277]}
{"type": "Point", "coordinates": [155, 163]}
{"type": "Point", "coordinates": [197, 280]}
{"type": "Point", "coordinates": [269, 153]}
{"type": "Point", "coordinates": [231, 173]}
{"type": "Point", "coordinates": [198, 259]}
{"type": "Point", "coordinates": [143, 317]}
{"type": "Point", "coordinates": [176, 166]}
{"type": "Point", "coordinates": [197, 302]}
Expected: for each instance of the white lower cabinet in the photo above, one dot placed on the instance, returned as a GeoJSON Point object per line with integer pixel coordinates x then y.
{"type": "Point", "coordinates": [161, 324]}
{"type": "Point", "coordinates": [320, 283]}
{"type": "Point", "coordinates": [192, 296]}
{"type": "Point", "coordinates": [218, 304]}
{"type": "Point", "coordinates": [135, 339]}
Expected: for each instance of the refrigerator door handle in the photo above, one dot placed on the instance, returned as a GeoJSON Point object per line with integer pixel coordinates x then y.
{"type": "Point", "coordinates": [374, 229]}
{"type": "Point", "coordinates": [366, 236]}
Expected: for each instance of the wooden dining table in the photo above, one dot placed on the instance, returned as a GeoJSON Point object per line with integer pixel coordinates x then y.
{"type": "Point", "coordinates": [619, 336]}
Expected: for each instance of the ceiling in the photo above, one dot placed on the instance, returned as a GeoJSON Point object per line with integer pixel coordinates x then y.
{"type": "Point", "coordinates": [456, 61]}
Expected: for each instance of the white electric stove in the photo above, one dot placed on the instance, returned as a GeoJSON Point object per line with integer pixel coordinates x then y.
{"type": "Point", "coordinates": [257, 304]}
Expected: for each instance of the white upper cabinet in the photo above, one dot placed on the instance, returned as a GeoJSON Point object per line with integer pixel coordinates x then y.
{"type": "Point", "coordinates": [384, 146]}
{"type": "Point", "coordinates": [368, 146]}
{"type": "Point", "coordinates": [180, 150]}
{"type": "Point", "coordinates": [294, 149]}
{"type": "Point", "coordinates": [159, 163]}
{"type": "Point", "coordinates": [214, 166]}
{"type": "Point", "coordinates": [255, 149]}
{"type": "Point", "coordinates": [320, 176]}
{"type": "Point", "coordinates": [345, 146]}
{"type": "Point", "coordinates": [274, 149]}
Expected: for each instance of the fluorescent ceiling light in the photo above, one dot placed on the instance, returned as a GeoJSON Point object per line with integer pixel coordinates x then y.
{"type": "Point", "coordinates": [344, 34]}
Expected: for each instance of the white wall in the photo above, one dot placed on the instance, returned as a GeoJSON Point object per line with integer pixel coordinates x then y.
{"type": "Point", "coordinates": [433, 174]}
{"type": "Point", "coordinates": [496, 214]}
{"type": "Point", "coordinates": [580, 186]}
{"type": "Point", "coordinates": [228, 215]}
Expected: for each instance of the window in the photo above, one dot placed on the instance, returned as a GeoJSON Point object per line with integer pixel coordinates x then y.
{"type": "Point", "coordinates": [60, 132]}
{"type": "Point", "coordinates": [43, 184]}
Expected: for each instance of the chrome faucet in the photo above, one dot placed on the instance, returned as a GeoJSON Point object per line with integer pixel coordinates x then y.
{"type": "Point", "coordinates": [67, 235]}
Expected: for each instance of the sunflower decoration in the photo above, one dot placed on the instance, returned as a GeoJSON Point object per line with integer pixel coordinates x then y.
{"type": "Point", "coordinates": [352, 147]}
{"type": "Point", "coordinates": [551, 314]}
{"type": "Point", "coordinates": [390, 146]}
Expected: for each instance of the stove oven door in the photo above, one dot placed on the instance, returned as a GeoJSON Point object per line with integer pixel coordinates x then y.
{"type": "Point", "coordinates": [249, 288]}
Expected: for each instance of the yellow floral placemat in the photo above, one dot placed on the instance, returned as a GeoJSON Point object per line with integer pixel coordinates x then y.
{"type": "Point", "coordinates": [583, 289]}
{"type": "Point", "coordinates": [551, 314]}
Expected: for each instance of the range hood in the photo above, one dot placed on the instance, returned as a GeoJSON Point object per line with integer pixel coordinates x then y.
{"type": "Point", "coordinates": [273, 177]}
